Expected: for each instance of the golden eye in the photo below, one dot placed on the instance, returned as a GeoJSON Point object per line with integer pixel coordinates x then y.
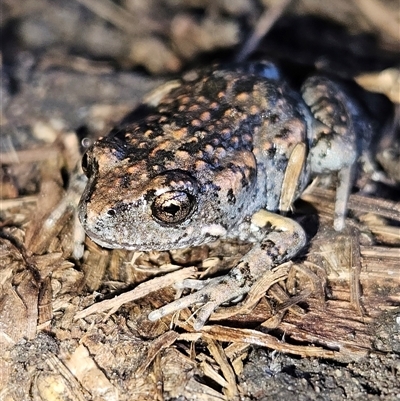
{"type": "Point", "coordinates": [173, 207]}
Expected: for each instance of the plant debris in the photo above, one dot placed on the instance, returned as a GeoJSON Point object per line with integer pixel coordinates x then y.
{"type": "Point", "coordinates": [73, 316]}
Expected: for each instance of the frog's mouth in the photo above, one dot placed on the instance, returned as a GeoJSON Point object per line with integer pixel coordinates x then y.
{"type": "Point", "coordinates": [151, 246]}
{"type": "Point", "coordinates": [100, 241]}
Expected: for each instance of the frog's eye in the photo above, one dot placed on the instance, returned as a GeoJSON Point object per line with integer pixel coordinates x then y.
{"type": "Point", "coordinates": [173, 207]}
{"type": "Point", "coordinates": [88, 163]}
{"type": "Point", "coordinates": [85, 163]}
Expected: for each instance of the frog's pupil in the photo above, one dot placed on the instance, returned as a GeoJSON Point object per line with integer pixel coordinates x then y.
{"type": "Point", "coordinates": [171, 209]}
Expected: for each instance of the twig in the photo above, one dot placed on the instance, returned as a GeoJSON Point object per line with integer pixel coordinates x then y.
{"type": "Point", "coordinates": [118, 16]}
{"type": "Point", "coordinates": [140, 291]}
{"type": "Point", "coordinates": [383, 20]}
{"type": "Point", "coordinates": [265, 23]}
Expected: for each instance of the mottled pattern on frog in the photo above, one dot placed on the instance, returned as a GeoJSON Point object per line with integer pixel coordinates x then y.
{"type": "Point", "coordinates": [227, 135]}
{"type": "Point", "coordinates": [214, 155]}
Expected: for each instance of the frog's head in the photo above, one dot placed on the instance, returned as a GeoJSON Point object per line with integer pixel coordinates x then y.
{"type": "Point", "coordinates": [127, 205]}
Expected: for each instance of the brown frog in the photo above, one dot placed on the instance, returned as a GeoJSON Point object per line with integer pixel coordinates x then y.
{"type": "Point", "coordinates": [215, 155]}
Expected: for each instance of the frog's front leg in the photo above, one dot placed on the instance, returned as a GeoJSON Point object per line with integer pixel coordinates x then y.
{"type": "Point", "coordinates": [336, 131]}
{"type": "Point", "coordinates": [277, 240]}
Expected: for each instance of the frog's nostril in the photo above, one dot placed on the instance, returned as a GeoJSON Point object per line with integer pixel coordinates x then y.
{"type": "Point", "coordinates": [111, 212]}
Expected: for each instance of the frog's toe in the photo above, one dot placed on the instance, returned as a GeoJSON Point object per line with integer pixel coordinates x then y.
{"type": "Point", "coordinates": [215, 292]}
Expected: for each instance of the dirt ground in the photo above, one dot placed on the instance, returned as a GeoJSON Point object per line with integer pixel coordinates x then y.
{"type": "Point", "coordinates": [73, 316]}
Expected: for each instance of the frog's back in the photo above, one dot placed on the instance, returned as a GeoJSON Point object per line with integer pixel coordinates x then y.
{"type": "Point", "coordinates": [213, 120]}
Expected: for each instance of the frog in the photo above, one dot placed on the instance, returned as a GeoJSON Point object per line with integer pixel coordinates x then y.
{"type": "Point", "coordinates": [221, 153]}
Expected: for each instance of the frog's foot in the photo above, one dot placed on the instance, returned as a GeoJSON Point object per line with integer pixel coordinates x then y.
{"type": "Point", "coordinates": [338, 126]}
{"type": "Point", "coordinates": [276, 238]}
{"type": "Point", "coordinates": [215, 292]}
